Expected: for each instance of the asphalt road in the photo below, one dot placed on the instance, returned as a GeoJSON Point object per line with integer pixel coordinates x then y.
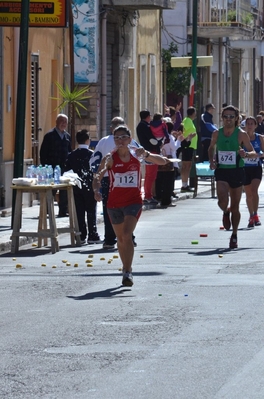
{"type": "Point", "coordinates": [191, 327]}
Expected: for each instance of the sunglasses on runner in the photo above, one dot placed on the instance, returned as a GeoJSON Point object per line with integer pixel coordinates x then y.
{"type": "Point", "coordinates": [123, 137]}
{"type": "Point", "coordinates": [228, 116]}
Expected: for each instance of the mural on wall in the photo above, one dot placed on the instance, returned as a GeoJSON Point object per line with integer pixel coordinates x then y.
{"type": "Point", "coordinates": [85, 35]}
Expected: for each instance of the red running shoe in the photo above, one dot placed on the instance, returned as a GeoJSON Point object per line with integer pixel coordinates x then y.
{"type": "Point", "coordinates": [233, 242]}
{"type": "Point", "coordinates": [256, 220]}
{"type": "Point", "coordinates": [226, 220]}
{"type": "Point", "coordinates": [251, 222]}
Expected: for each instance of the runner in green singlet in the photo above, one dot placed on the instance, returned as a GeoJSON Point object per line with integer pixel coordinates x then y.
{"type": "Point", "coordinates": [226, 158]}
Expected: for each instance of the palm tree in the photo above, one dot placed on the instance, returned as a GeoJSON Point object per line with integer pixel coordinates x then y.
{"type": "Point", "coordinates": [72, 99]}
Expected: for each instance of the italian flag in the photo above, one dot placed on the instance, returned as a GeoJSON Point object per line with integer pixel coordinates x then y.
{"type": "Point", "coordinates": [191, 91]}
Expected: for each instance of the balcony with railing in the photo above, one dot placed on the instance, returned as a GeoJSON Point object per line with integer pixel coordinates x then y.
{"type": "Point", "coordinates": [229, 18]}
{"type": "Point", "coordinates": [141, 4]}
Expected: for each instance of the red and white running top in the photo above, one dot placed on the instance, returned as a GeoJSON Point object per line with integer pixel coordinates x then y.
{"type": "Point", "coordinates": [125, 182]}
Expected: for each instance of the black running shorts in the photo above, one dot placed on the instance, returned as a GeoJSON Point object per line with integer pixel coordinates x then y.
{"type": "Point", "coordinates": [234, 177]}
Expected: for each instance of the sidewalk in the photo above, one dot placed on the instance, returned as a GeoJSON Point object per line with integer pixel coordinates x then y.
{"type": "Point", "coordinates": [31, 214]}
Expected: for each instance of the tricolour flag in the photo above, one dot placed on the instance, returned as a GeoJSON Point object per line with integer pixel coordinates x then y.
{"type": "Point", "coordinates": [191, 91]}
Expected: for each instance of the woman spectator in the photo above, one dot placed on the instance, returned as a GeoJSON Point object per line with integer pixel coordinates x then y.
{"type": "Point", "coordinates": [166, 175]}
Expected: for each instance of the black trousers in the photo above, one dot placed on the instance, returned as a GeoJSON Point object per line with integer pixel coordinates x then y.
{"type": "Point", "coordinates": [165, 186]}
{"type": "Point", "coordinates": [110, 237]}
{"type": "Point", "coordinates": [86, 211]}
{"type": "Point", "coordinates": [63, 201]}
{"type": "Point", "coordinates": [206, 144]}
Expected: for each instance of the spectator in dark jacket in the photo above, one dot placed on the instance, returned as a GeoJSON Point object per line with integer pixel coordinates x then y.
{"type": "Point", "coordinates": [78, 161]}
{"type": "Point", "coordinates": [206, 129]}
{"type": "Point", "coordinates": [145, 136]}
{"type": "Point", "coordinates": [54, 151]}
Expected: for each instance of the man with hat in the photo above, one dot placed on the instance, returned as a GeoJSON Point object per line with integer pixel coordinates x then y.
{"type": "Point", "coordinates": [206, 129]}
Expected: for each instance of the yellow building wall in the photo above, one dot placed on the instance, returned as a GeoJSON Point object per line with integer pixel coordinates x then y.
{"type": "Point", "coordinates": [149, 31]}
{"type": "Point", "coordinates": [52, 45]}
{"type": "Point", "coordinates": [149, 43]}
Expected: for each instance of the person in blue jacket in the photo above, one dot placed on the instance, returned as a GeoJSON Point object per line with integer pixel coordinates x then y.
{"type": "Point", "coordinates": [206, 129]}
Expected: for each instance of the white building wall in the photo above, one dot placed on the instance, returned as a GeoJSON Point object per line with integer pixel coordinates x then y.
{"type": "Point", "coordinates": [175, 27]}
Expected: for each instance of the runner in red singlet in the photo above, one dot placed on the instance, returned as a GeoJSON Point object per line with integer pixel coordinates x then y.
{"type": "Point", "coordinates": [124, 201]}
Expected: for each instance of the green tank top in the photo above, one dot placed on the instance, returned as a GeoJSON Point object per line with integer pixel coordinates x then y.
{"type": "Point", "coordinates": [227, 150]}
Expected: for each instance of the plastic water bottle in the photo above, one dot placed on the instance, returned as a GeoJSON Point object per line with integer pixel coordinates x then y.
{"type": "Point", "coordinates": [51, 174]}
{"type": "Point", "coordinates": [33, 171]}
{"type": "Point", "coordinates": [29, 172]}
{"type": "Point", "coordinates": [45, 175]}
{"type": "Point", "coordinates": [132, 149]}
{"type": "Point", "coordinates": [40, 175]}
{"type": "Point", "coordinates": [57, 174]}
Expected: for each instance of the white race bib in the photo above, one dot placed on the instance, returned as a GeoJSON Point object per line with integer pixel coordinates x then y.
{"type": "Point", "coordinates": [127, 179]}
{"type": "Point", "coordinates": [227, 157]}
{"type": "Point", "coordinates": [251, 161]}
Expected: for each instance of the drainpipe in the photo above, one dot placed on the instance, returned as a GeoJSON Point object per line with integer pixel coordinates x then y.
{"type": "Point", "coordinates": [16, 60]}
{"type": "Point", "coordinates": [208, 84]}
{"type": "Point", "coordinates": [220, 84]}
{"type": "Point", "coordinates": [261, 83]}
{"type": "Point", "coordinates": [255, 100]}
{"type": "Point", "coordinates": [104, 76]}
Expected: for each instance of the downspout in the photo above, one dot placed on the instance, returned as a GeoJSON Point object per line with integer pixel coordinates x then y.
{"type": "Point", "coordinates": [256, 107]}
{"type": "Point", "coordinates": [226, 98]}
{"type": "Point", "coordinates": [104, 76]}
{"type": "Point", "coordinates": [220, 57]}
{"type": "Point", "coordinates": [261, 83]}
{"type": "Point", "coordinates": [208, 84]}
{"type": "Point", "coordinates": [16, 53]}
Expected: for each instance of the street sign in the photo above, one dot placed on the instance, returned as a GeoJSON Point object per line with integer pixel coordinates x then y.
{"type": "Point", "coordinates": [181, 62]}
{"type": "Point", "coordinates": [42, 13]}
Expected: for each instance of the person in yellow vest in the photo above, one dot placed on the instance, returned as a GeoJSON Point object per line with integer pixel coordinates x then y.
{"type": "Point", "coordinates": [188, 152]}
{"type": "Point", "coordinates": [226, 157]}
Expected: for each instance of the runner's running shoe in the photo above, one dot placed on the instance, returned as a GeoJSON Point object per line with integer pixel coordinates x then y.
{"type": "Point", "coordinates": [233, 242]}
{"type": "Point", "coordinates": [257, 221]}
{"type": "Point", "coordinates": [251, 222]}
{"type": "Point", "coordinates": [226, 220]}
{"type": "Point", "coordinates": [127, 279]}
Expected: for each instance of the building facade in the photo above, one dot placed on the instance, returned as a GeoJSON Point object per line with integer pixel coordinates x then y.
{"type": "Point", "coordinates": [128, 79]}
{"type": "Point", "coordinates": [232, 32]}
